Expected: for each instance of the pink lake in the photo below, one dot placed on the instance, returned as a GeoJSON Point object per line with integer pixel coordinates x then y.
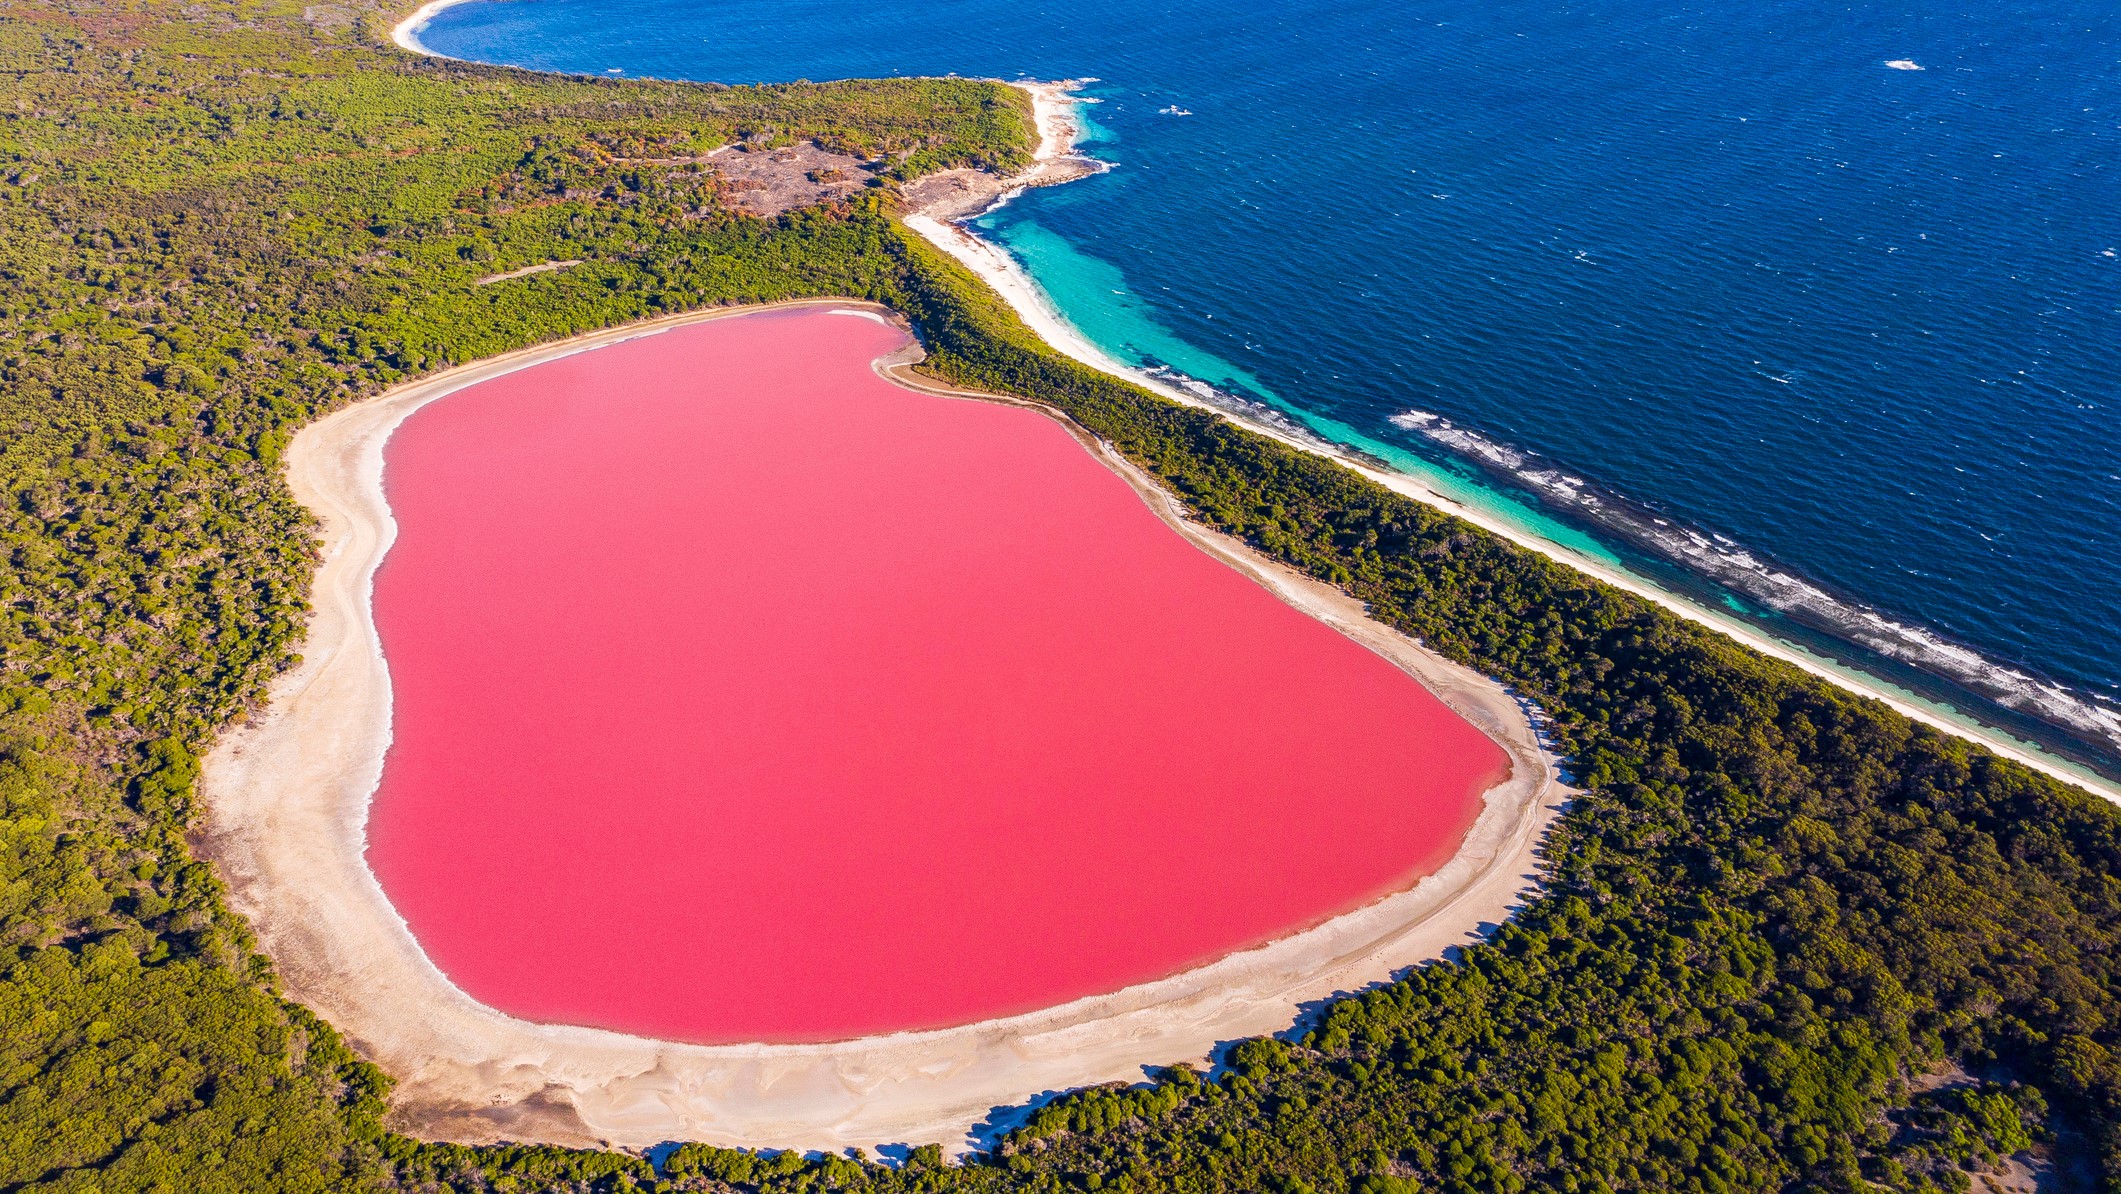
{"type": "Point", "coordinates": [741, 695]}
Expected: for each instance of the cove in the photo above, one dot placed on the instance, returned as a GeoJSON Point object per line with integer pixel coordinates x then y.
{"type": "Point", "coordinates": [740, 694]}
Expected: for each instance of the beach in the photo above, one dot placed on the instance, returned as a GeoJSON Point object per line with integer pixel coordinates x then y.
{"type": "Point", "coordinates": [406, 33]}
{"type": "Point", "coordinates": [288, 798]}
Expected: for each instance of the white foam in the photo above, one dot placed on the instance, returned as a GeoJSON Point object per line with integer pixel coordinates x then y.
{"type": "Point", "coordinates": [1731, 564]}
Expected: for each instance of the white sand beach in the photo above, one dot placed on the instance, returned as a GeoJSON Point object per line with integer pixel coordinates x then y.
{"type": "Point", "coordinates": [406, 33]}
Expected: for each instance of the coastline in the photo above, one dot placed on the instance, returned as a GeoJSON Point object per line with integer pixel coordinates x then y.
{"type": "Point", "coordinates": [287, 801]}
{"type": "Point", "coordinates": [406, 33]}
{"type": "Point", "coordinates": [943, 226]}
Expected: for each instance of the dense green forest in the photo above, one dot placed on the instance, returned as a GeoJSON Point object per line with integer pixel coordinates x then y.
{"type": "Point", "coordinates": [1788, 939]}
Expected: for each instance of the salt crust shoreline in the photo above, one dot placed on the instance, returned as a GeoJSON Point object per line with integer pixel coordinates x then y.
{"type": "Point", "coordinates": [943, 227]}
{"type": "Point", "coordinates": [287, 802]}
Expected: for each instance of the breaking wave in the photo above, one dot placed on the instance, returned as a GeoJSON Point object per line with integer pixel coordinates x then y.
{"type": "Point", "coordinates": [1249, 408]}
{"type": "Point", "coordinates": [2086, 716]}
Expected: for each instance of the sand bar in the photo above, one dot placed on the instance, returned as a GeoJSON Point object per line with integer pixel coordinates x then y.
{"type": "Point", "coordinates": [287, 799]}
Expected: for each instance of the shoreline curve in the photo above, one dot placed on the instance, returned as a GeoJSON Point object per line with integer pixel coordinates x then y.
{"type": "Point", "coordinates": [287, 801]}
{"type": "Point", "coordinates": [406, 33]}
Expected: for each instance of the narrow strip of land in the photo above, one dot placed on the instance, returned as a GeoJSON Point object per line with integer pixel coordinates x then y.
{"type": "Point", "coordinates": [288, 796]}
{"type": "Point", "coordinates": [936, 215]}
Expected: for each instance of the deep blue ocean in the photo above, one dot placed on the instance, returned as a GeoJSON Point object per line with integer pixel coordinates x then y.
{"type": "Point", "coordinates": [1817, 337]}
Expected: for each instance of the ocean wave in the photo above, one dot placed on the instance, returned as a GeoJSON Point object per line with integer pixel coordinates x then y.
{"type": "Point", "coordinates": [1228, 399]}
{"type": "Point", "coordinates": [2087, 716]}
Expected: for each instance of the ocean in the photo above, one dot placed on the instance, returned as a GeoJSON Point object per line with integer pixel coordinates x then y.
{"type": "Point", "coordinates": [1808, 312]}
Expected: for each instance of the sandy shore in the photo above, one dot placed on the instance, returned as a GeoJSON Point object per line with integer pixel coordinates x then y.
{"type": "Point", "coordinates": [940, 224]}
{"type": "Point", "coordinates": [957, 194]}
{"type": "Point", "coordinates": [406, 33]}
{"type": "Point", "coordinates": [287, 799]}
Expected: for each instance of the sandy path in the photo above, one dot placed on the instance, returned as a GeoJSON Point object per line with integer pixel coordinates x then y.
{"type": "Point", "coordinates": [956, 194]}
{"type": "Point", "coordinates": [540, 268]}
{"type": "Point", "coordinates": [287, 799]}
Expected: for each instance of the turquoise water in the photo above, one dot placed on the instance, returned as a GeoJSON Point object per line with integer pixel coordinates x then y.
{"type": "Point", "coordinates": [1098, 304]}
{"type": "Point", "coordinates": [1714, 290]}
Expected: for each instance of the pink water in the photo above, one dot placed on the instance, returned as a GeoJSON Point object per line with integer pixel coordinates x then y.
{"type": "Point", "coordinates": [742, 695]}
